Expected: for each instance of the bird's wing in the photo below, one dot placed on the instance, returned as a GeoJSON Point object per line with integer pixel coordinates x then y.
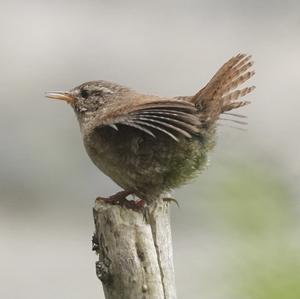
{"type": "Point", "coordinates": [171, 117]}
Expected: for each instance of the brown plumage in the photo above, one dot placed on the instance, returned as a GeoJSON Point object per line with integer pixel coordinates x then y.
{"type": "Point", "coordinates": [218, 96]}
{"type": "Point", "coordinates": [150, 144]}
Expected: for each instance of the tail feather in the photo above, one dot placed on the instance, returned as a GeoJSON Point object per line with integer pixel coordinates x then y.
{"type": "Point", "coordinates": [220, 94]}
{"type": "Point", "coordinates": [235, 95]}
{"type": "Point", "coordinates": [234, 83]}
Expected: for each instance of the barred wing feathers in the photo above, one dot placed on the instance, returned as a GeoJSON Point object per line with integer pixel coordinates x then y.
{"type": "Point", "coordinates": [171, 117]}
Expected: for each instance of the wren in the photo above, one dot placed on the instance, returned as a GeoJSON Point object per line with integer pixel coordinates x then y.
{"type": "Point", "coordinates": [149, 144]}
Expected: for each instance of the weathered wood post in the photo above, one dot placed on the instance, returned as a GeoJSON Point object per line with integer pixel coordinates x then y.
{"type": "Point", "coordinates": [135, 251]}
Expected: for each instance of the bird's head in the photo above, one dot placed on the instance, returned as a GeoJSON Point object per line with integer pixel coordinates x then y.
{"type": "Point", "coordinates": [90, 97]}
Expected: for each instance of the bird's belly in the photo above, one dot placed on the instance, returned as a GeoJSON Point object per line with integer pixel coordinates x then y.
{"type": "Point", "coordinates": [143, 164]}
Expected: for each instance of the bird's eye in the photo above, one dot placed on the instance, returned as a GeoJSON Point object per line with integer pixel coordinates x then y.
{"type": "Point", "coordinates": [84, 93]}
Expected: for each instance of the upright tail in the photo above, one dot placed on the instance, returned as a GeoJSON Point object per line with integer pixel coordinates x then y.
{"type": "Point", "coordinates": [221, 93]}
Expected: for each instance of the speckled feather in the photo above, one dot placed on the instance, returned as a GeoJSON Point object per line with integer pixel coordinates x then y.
{"type": "Point", "coordinates": [149, 144]}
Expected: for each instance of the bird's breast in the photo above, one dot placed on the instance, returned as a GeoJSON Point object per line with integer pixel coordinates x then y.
{"type": "Point", "coordinates": [139, 162]}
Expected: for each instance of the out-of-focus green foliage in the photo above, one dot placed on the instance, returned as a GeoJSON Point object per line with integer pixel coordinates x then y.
{"type": "Point", "coordinates": [252, 201]}
{"type": "Point", "coordinates": [249, 209]}
{"type": "Point", "coordinates": [270, 270]}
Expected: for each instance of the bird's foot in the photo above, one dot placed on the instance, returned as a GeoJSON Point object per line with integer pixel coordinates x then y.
{"type": "Point", "coordinates": [136, 205]}
{"type": "Point", "coordinates": [120, 198]}
{"type": "Point", "coordinates": [171, 199]}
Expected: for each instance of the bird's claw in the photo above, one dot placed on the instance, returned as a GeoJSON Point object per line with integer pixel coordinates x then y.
{"type": "Point", "coordinates": [120, 199]}
{"type": "Point", "coordinates": [171, 199]}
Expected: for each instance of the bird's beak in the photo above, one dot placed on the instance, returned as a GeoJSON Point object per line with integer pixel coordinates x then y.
{"type": "Point", "coordinates": [60, 95]}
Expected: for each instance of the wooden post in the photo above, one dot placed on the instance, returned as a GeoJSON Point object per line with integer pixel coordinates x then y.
{"type": "Point", "coordinates": [135, 251]}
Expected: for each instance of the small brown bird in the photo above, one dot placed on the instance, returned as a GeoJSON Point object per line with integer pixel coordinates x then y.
{"type": "Point", "coordinates": [149, 144]}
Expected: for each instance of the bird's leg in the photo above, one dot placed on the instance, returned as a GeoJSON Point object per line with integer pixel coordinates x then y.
{"type": "Point", "coordinates": [120, 199]}
{"type": "Point", "coordinates": [117, 198]}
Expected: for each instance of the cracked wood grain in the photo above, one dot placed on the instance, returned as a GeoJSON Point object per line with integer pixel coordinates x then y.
{"type": "Point", "coordinates": [135, 251]}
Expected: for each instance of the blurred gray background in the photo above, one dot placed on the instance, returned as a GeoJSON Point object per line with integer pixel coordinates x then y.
{"type": "Point", "coordinates": [236, 234]}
